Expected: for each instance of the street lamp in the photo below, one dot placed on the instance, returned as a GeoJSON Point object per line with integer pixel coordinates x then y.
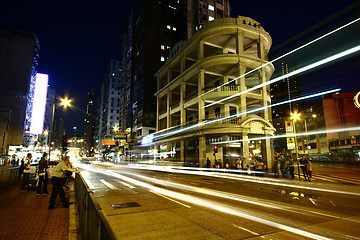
{"type": "Point", "coordinates": [65, 102]}
{"type": "Point", "coordinates": [294, 117]}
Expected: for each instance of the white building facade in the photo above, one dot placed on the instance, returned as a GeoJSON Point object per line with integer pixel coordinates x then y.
{"type": "Point", "coordinates": [202, 97]}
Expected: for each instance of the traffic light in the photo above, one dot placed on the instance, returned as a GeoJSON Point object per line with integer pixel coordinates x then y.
{"type": "Point", "coordinates": [65, 143]}
{"type": "Point", "coordinates": [215, 149]}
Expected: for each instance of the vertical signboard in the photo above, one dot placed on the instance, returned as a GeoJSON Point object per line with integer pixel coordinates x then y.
{"type": "Point", "coordinates": [290, 141]}
{"type": "Point", "coordinates": [39, 103]}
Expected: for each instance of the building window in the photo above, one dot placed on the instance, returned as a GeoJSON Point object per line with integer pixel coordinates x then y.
{"type": "Point", "coordinates": [168, 26]}
{"type": "Point", "coordinates": [211, 7]}
{"type": "Point", "coordinates": [162, 58]}
{"type": "Point", "coordinates": [174, 28]}
{"type": "Point", "coordinates": [162, 47]}
{"type": "Point", "coordinates": [211, 18]}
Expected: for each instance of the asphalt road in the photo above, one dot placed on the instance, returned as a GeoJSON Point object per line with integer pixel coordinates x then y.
{"type": "Point", "coordinates": [149, 202]}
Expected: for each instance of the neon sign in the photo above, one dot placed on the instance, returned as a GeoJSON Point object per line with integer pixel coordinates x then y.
{"type": "Point", "coordinates": [39, 103]}
{"type": "Point", "coordinates": [356, 100]}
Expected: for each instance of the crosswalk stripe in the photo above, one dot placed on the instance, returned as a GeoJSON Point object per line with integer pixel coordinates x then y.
{"type": "Point", "coordinates": [126, 184]}
{"type": "Point", "coordinates": [109, 185]}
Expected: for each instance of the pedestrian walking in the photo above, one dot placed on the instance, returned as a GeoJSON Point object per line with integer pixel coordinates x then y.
{"type": "Point", "coordinates": [58, 176]}
{"type": "Point", "coordinates": [291, 167]}
{"type": "Point", "coordinates": [260, 168]}
{"type": "Point", "coordinates": [303, 166]}
{"type": "Point", "coordinates": [276, 168]}
{"type": "Point", "coordinates": [26, 172]}
{"type": "Point", "coordinates": [43, 173]}
{"type": "Point", "coordinates": [239, 165]}
{"type": "Point", "coordinates": [227, 165]}
{"type": "Point", "coordinates": [282, 162]}
{"type": "Point", "coordinates": [309, 170]}
{"type": "Point", "coordinates": [208, 163]}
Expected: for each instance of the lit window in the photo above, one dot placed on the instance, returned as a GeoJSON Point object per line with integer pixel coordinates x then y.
{"type": "Point", "coordinates": [162, 58]}
{"type": "Point", "coordinates": [168, 47]}
{"type": "Point", "coordinates": [211, 18]}
{"type": "Point", "coordinates": [113, 74]}
{"type": "Point", "coordinates": [211, 8]}
{"type": "Point", "coordinates": [174, 28]}
{"type": "Point", "coordinates": [168, 26]}
{"type": "Point", "coordinates": [162, 47]}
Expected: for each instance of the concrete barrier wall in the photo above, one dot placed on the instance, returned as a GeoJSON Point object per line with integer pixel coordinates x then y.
{"type": "Point", "coordinates": [93, 224]}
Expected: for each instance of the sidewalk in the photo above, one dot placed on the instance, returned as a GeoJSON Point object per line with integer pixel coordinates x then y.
{"type": "Point", "coordinates": [25, 215]}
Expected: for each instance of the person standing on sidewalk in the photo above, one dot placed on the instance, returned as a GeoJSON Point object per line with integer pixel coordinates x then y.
{"type": "Point", "coordinates": [291, 167]}
{"type": "Point", "coordinates": [58, 176]}
{"type": "Point", "coordinates": [43, 171]}
{"type": "Point", "coordinates": [303, 166]}
{"type": "Point", "coordinates": [26, 172]}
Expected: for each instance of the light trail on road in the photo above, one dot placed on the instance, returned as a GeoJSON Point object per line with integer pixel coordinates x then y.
{"type": "Point", "coordinates": [295, 134]}
{"type": "Point", "coordinates": [208, 204]}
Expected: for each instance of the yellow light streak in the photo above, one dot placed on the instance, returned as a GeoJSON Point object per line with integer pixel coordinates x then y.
{"type": "Point", "coordinates": [213, 206]}
{"type": "Point", "coordinates": [245, 229]}
{"type": "Point", "coordinates": [182, 204]}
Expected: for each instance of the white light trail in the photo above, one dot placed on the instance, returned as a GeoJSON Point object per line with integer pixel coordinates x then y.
{"type": "Point", "coordinates": [286, 54]}
{"type": "Point", "coordinates": [243, 113]}
{"type": "Point", "coordinates": [266, 181]}
{"type": "Point", "coordinates": [303, 69]}
{"type": "Point", "coordinates": [214, 206]}
{"type": "Point", "coordinates": [295, 134]}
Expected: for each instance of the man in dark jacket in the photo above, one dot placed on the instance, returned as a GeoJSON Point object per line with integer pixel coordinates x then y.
{"type": "Point", "coordinates": [43, 171]}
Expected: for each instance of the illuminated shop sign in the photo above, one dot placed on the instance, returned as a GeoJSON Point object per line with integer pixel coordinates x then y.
{"type": "Point", "coordinates": [357, 100]}
{"type": "Point", "coordinates": [147, 139]}
{"type": "Point", "coordinates": [39, 103]}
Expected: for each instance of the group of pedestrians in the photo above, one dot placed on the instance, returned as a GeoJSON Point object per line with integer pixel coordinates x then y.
{"type": "Point", "coordinates": [255, 166]}
{"type": "Point", "coordinates": [59, 178]}
{"type": "Point", "coordinates": [286, 167]}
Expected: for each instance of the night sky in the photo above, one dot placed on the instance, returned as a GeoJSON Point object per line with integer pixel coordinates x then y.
{"type": "Point", "coordinates": [77, 40]}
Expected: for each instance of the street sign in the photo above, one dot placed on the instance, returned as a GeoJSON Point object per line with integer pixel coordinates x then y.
{"type": "Point", "coordinates": [108, 142]}
{"type": "Point", "coordinates": [290, 143]}
{"type": "Point", "coordinates": [289, 128]}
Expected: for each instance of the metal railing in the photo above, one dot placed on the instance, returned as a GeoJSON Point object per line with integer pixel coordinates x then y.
{"type": "Point", "coordinates": [9, 176]}
{"type": "Point", "coordinates": [92, 219]}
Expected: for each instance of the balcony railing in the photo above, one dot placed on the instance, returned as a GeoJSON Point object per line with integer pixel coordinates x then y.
{"type": "Point", "coordinates": [225, 88]}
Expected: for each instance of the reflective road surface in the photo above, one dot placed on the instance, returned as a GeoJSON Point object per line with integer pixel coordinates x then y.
{"type": "Point", "coordinates": [157, 202]}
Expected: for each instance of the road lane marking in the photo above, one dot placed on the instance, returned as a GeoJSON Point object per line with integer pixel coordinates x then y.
{"type": "Point", "coordinates": [212, 206]}
{"type": "Point", "coordinates": [126, 184]}
{"type": "Point", "coordinates": [247, 230]}
{"type": "Point", "coordinates": [89, 184]}
{"type": "Point", "coordinates": [336, 178]}
{"type": "Point", "coordinates": [182, 204]}
{"type": "Point", "coordinates": [109, 185]}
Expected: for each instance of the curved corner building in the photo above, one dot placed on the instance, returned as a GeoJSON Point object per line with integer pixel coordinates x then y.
{"type": "Point", "coordinates": [189, 97]}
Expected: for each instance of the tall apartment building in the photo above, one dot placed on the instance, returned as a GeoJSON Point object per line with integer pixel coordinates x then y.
{"type": "Point", "coordinates": [109, 101]}
{"type": "Point", "coordinates": [199, 12]}
{"type": "Point", "coordinates": [153, 32]}
{"type": "Point", "coordinates": [286, 89]}
{"type": "Point", "coordinates": [198, 98]}
{"type": "Point", "coordinates": [18, 62]}
{"type": "Point", "coordinates": [89, 122]}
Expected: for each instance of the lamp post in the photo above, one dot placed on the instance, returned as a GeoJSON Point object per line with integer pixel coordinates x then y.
{"type": "Point", "coordinates": [294, 117]}
{"type": "Point", "coordinates": [65, 103]}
